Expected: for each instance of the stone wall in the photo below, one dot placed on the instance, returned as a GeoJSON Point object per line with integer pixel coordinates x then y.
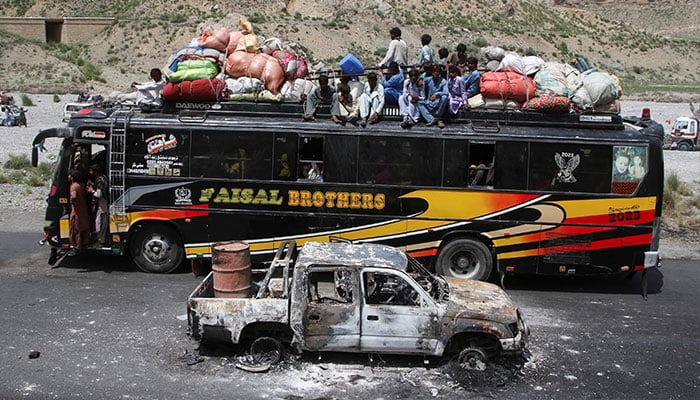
{"type": "Point", "coordinates": [71, 31]}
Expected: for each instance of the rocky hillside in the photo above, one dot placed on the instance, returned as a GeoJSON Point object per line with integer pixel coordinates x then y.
{"type": "Point", "coordinates": [650, 45]}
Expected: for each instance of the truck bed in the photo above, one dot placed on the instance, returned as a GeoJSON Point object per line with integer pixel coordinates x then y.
{"type": "Point", "coordinates": [223, 319]}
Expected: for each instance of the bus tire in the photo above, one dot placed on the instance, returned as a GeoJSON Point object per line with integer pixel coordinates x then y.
{"type": "Point", "coordinates": [156, 248]}
{"type": "Point", "coordinates": [685, 146]}
{"type": "Point", "coordinates": [465, 258]}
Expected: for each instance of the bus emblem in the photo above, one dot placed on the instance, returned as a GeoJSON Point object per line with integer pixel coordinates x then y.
{"type": "Point", "coordinates": [567, 163]}
{"type": "Point", "coordinates": [183, 196]}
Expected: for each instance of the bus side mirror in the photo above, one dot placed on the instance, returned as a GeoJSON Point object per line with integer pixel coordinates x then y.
{"type": "Point", "coordinates": [35, 156]}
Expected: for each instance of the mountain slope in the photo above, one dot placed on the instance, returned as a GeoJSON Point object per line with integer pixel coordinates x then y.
{"type": "Point", "coordinates": [646, 43]}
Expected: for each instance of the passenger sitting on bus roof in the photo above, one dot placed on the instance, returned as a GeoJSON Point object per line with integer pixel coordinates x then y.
{"type": "Point", "coordinates": [343, 107]}
{"type": "Point", "coordinates": [472, 77]}
{"type": "Point", "coordinates": [356, 87]}
{"type": "Point", "coordinates": [408, 102]}
{"type": "Point", "coordinates": [148, 93]}
{"type": "Point", "coordinates": [458, 58]}
{"type": "Point", "coordinates": [394, 85]}
{"type": "Point", "coordinates": [371, 100]}
{"type": "Point", "coordinates": [433, 106]}
{"type": "Point", "coordinates": [455, 87]}
{"type": "Point", "coordinates": [322, 94]}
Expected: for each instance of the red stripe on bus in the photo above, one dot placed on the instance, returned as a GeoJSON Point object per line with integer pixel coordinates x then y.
{"type": "Point", "coordinates": [423, 253]}
{"type": "Point", "coordinates": [600, 244]}
{"type": "Point", "coordinates": [615, 218]}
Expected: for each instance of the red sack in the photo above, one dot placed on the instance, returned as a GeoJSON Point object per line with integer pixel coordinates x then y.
{"type": "Point", "coordinates": [234, 37]}
{"type": "Point", "coordinates": [507, 86]}
{"type": "Point", "coordinates": [198, 90]}
{"type": "Point", "coordinates": [217, 39]}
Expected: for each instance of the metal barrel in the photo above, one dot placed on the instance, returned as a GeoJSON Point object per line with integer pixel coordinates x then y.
{"type": "Point", "coordinates": [230, 262]}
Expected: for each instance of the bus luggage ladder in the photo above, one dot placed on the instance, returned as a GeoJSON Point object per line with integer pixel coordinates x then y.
{"type": "Point", "coordinates": [117, 165]}
{"type": "Point", "coordinates": [278, 261]}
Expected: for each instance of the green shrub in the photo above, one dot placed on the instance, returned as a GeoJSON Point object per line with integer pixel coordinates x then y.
{"type": "Point", "coordinates": [673, 182]}
{"type": "Point", "coordinates": [18, 162]}
{"type": "Point", "coordinates": [26, 101]}
{"type": "Point", "coordinates": [56, 98]}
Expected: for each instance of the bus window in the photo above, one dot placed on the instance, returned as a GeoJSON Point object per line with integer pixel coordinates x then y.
{"type": "Point", "coordinates": [310, 158]}
{"type": "Point", "coordinates": [400, 161]}
{"type": "Point", "coordinates": [341, 159]}
{"type": "Point", "coordinates": [481, 168]}
{"type": "Point", "coordinates": [285, 156]}
{"type": "Point", "coordinates": [232, 155]}
{"type": "Point", "coordinates": [511, 165]}
{"type": "Point", "coordinates": [629, 167]}
{"type": "Point", "coordinates": [456, 167]}
{"type": "Point", "coordinates": [157, 153]}
{"type": "Point", "coordinates": [564, 167]}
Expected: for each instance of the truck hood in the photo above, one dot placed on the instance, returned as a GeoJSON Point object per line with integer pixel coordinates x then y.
{"type": "Point", "coordinates": [479, 300]}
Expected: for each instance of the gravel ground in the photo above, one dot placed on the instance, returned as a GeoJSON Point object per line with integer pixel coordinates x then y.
{"type": "Point", "coordinates": [22, 207]}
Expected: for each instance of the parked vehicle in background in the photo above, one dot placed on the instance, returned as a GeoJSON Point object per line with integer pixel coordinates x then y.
{"type": "Point", "coordinates": [71, 108]}
{"type": "Point", "coordinates": [684, 134]}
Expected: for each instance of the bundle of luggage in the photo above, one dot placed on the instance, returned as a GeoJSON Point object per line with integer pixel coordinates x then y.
{"type": "Point", "coordinates": [529, 83]}
{"type": "Point", "coordinates": [232, 64]}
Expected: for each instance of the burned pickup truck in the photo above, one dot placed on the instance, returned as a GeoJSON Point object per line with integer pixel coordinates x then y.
{"type": "Point", "coordinates": [360, 298]}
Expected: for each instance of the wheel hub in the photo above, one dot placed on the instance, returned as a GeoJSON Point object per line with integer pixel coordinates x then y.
{"type": "Point", "coordinates": [156, 249]}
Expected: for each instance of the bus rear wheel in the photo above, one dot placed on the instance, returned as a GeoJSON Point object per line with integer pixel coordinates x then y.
{"type": "Point", "coordinates": [466, 259]}
{"type": "Point", "coordinates": [156, 248]}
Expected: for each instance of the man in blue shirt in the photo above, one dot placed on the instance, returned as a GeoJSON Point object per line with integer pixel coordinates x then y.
{"type": "Point", "coordinates": [393, 87]}
{"type": "Point", "coordinates": [436, 96]}
{"type": "Point", "coordinates": [472, 77]}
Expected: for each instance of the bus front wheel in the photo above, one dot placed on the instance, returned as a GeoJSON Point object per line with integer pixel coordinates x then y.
{"type": "Point", "coordinates": [466, 259]}
{"type": "Point", "coordinates": [156, 248]}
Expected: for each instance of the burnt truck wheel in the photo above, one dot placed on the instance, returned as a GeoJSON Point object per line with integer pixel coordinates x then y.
{"type": "Point", "coordinates": [266, 350]}
{"type": "Point", "coordinates": [685, 146]}
{"type": "Point", "coordinates": [157, 249]}
{"type": "Point", "coordinates": [472, 358]}
{"type": "Point", "coordinates": [466, 259]}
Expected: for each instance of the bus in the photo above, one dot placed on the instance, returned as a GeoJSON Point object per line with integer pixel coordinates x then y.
{"type": "Point", "coordinates": [504, 192]}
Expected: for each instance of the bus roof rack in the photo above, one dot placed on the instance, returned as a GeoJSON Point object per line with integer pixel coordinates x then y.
{"type": "Point", "coordinates": [391, 113]}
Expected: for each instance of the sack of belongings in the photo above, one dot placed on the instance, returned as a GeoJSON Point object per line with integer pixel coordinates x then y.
{"type": "Point", "coordinates": [599, 89]}
{"type": "Point", "coordinates": [244, 84]}
{"type": "Point", "coordinates": [218, 39]}
{"type": "Point", "coordinates": [260, 66]}
{"type": "Point", "coordinates": [293, 90]}
{"type": "Point", "coordinates": [501, 104]}
{"type": "Point", "coordinates": [196, 53]}
{"type": "Point", "coordinates": [198, 90]}
{"type": "Point", "coordinates": [507, 86]}
{"type": "Point", "coordinates": [248, 41]}
{"type": "Point", "coordinates": [557, 79]}
{"type": "Point", "coordinates": [548, 103]}
{"type": "Point", "coordinates": [493, 53]}
{"type": "Point", "coordinates": [190, 70]}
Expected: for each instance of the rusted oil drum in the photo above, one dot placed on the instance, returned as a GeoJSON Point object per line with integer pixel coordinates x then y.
{"type": "Point", "coordinates": [230, 262]}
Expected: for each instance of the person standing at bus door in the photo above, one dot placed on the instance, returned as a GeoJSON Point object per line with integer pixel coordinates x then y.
{"type": "Point", "coordinates": [426, 52]}
{"type": "Point", "coordinates": [79, 221]}
{"type": "Point", "coordinates": [472, 77]}
{"type": "Point", "coordinates": [398, 50]}
{"type": "Point", "coordinates": [8, 116]}
{"type": "Point", "coordinates": [455, 87]}
{"type": "Point", "coordinates": [148, 93]}
{"type": "Point", "coordinates": [408, 102]}
{"type": "Point", "coordinates": [371, 100]}
{"type": "Point", "coordinates": [433, 106]}
{"type": "Point", "coordinates": [393, 86]}
{"type": "Point", "coordinates": [343, 107]}
{"type": "Point", "coordinates": [322, 94]}
{"type": "Point", "coordinates": [99, 193]}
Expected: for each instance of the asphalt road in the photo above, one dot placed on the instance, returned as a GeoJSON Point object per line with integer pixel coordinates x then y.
{"type": "Point", "coordinates": [105, 330]}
